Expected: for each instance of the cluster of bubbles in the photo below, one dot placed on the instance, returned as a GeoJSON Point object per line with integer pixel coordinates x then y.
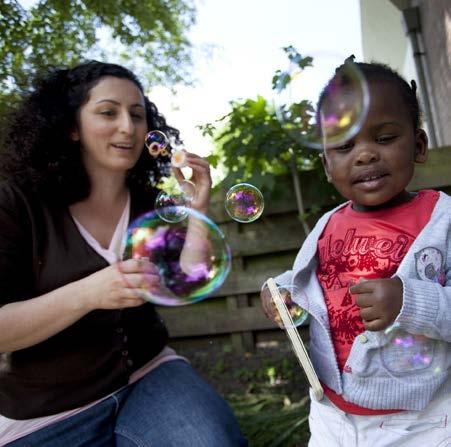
{"type": "Point", "coordinates": [174, 199]}
{"type": "Point", "coordinates": [188, 249]}
{"type": "Point", "coordinates": [244, 202]}
{"type": "Point", "coordinates": [337, 116]}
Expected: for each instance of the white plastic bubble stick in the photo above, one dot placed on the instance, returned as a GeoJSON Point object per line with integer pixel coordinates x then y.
{"type": "Point", "coordinates": [296, 341]}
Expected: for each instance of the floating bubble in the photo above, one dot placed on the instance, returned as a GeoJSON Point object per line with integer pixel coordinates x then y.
{"type": "Point", "coordinates": [343, 108]}
{"type": "Point", "coordinates": [403, 353]}
{"type": "Point", "coordinates": [170, 208]}
{"type": "Point", "coordinates": [192, 256]}
{"type": "Point", "coordinates": [171, 203]}
{"type": "Point", "coordinates": [297, 314]}
{"type": "Point", "coordinates": [244, 203]}
{"type": "Point", "coordinates": [156, 143]}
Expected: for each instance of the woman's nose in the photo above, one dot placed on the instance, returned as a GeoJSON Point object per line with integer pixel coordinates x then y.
{"type": "Point", "coordinates": [126, 123]}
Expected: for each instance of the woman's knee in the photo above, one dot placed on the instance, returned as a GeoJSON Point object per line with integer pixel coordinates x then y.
{"type": "Point", "coordinates": [173, 405]}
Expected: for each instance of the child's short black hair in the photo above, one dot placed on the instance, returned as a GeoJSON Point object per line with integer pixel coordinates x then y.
{"type": "Point", "coordinates": [375, 71]}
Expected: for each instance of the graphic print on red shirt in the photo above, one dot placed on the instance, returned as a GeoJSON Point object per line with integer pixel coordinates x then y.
{"type": "Point", "coordinates": [364, 245]}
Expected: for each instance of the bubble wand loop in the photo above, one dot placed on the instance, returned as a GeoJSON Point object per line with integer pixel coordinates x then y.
{"type": "Point", "coordinates": [296, 341]}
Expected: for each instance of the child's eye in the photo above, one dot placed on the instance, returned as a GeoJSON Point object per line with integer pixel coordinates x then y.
{"type": "Point", "coordinates": [384, 139]}
{"type": "Point", "coordinates": [344, 147]}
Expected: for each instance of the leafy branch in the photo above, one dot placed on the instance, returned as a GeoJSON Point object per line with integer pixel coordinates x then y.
{"type": "Point", "coordinates": [251, 143]}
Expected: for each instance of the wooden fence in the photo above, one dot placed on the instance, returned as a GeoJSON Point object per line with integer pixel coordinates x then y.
{"type": "Point", "coordinates": [262, 249]}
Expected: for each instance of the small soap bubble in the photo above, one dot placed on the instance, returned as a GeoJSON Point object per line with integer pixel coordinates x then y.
{"type": "Point", "coordinates": [404, 352]}
{"type": "Point", "coordinates": [297, 313]}
{"type": "Point", "coordinates": [171, 202]}
{"type": "Point", "coordinates": [244, 203]}
{"type": "Point", "coordinates": [156, 143]}
{"type": "Point", "coordinates": [344, 105]}
{"type": "Point", "coordinates": [192, 256]}
{"type": "Point", "coordinates": [171, 207]}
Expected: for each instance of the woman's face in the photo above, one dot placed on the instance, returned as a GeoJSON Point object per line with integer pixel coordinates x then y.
{"type": "Point", "coordinates": [111, 126]}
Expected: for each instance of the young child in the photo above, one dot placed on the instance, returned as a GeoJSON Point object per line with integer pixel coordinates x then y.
{"type": "Point", "coordinates": [376, 277]}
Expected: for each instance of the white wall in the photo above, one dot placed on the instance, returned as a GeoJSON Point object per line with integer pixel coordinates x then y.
{"type": "Point", "coordinates": [384, 39]}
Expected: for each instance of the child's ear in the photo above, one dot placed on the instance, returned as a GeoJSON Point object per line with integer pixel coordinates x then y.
{"type": "Point", "coordinates": [421, 146]}
{"type": "Point", "coordinates": [322, 157]}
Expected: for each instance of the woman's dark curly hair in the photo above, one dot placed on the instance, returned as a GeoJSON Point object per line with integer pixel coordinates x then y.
{"type": "Point", "coordinates": [37, 144]}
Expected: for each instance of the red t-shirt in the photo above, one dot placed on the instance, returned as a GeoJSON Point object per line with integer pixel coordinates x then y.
{"type": "Point", "coordinates": [368, 245]}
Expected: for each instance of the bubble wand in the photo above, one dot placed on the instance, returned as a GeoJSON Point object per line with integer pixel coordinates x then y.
{"type": "Point", "coordinates": [296, 341]}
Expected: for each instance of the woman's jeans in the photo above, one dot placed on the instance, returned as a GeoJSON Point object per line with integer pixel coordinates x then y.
{"type": "Point", "coordinates": [171, 406]}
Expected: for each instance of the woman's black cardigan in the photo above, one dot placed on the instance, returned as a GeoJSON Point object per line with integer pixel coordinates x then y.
{"type": "Point", "coordinates": [41, 249]}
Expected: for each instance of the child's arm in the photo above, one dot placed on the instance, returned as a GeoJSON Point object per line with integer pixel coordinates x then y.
{"type": "Point", "coordinates": [422, 308]}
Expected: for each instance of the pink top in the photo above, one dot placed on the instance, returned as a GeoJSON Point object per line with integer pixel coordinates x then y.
{"type": "Point", "coordinates": [10, 429]}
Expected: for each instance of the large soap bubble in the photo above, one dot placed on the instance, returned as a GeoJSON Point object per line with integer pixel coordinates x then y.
{"type": "Point", "coordinates": [343, 107]}
{"type": "Point", "coordinates": [192, 256]}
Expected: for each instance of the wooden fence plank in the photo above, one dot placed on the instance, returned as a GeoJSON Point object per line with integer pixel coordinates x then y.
{"type": "Point", "coordinates": [192, 322]}
{"type": "Point", "coordinates": [270, 234]}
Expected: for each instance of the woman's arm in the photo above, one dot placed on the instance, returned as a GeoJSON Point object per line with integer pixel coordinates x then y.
{"type": "Point", "coordinates": [26, 323]}
{"type": "Point", "coordinates": [195, 258]}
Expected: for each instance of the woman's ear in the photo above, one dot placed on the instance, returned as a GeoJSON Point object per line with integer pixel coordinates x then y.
{"type": "Point", "coordinates": [74, 135]}
{"type": "Point", "coordinates": [322, 157]}
{"type": "Point", "coordinates": [421, 146]}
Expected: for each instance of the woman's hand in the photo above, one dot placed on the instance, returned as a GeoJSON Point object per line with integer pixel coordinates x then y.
{"type": "Point", "coordinates": [201, 178]}
{"type": "Point", "coordinates": [121, 285]}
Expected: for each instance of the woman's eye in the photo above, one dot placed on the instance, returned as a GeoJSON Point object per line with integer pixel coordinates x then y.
{"type": "Point", "coordinates": [137, 116]}
{"type": "Point", "coordinates": [107, 112]}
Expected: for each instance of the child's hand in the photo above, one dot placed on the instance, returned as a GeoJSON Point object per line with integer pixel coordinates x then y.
{"type": "Point", "coordinates": [267, 302]}
{"type": "Point", "coordinates": [380, 301]}
{"type": "Point", "coordinates": [268, 305]}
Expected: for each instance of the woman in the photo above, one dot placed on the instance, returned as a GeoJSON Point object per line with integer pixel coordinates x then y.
{"type": "Point", "coordinates": [83, 358]}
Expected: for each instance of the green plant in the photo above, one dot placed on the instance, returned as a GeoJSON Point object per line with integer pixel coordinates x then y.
{"type": "Point", "coordinates": [148, 33]}
{"type": "Point", "coordinates": [252, 145]}
{"type": "Point", "coordinates": [269, 420]}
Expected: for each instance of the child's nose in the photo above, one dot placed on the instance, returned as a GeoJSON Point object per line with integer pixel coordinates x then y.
{"type": "Point", "coordinates": [366, 155]}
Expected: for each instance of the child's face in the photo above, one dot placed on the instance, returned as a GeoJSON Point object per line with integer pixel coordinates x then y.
{"type": "Point", "coordinates": [374, 168]}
